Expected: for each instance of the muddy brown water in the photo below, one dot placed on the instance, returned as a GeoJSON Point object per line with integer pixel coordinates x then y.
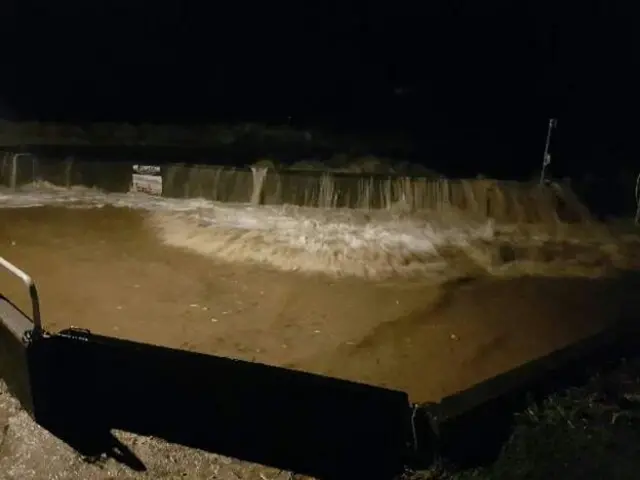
{"type": "Point", "coordinates": [104, 269]}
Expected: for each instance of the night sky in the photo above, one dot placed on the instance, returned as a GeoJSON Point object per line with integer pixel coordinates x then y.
{"type": "Point", "coordinates": [464, 79]}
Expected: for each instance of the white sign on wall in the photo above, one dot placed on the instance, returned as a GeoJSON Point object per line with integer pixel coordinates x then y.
{"type": "Point", "coordinates": [147, 179]}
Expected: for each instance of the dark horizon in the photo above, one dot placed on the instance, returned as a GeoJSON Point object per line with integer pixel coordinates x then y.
{"type": "Point", "coordinates": [462, 80]}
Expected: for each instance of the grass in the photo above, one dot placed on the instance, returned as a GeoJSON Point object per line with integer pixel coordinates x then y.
{"type": "Point", "coordinates": [591, 431]}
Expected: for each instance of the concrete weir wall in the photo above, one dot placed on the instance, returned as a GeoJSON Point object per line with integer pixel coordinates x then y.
{"type": "Point", "coordinates": [20, 169]}
{"type": "Point", "coordinates": [482, 198]}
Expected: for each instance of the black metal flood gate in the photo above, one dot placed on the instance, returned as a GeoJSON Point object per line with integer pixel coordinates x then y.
{"type": "Point", "coordinates": [79, 386]}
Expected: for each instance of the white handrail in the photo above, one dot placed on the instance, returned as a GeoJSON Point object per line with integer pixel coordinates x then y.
{"type": "Point", "coordinates": [33, 291]}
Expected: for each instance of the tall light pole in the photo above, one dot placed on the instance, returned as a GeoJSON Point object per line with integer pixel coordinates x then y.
{"type": "Point", "coordinates": [553, 123]}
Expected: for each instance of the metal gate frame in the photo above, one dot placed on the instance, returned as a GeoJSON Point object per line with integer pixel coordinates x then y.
{"type": "Point", "coordinates": [80, 385]}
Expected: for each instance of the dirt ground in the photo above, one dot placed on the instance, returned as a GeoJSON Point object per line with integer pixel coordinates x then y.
{"type": "Point", "coordinates": [104, 269]}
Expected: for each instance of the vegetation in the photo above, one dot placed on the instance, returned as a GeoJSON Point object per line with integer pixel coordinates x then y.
{"type": "Point", "coordinates": [591, 431]}
{"type": "Point", "coordinates": [192, 136]}
{"type": "Point", "coordinates": [37, 133]}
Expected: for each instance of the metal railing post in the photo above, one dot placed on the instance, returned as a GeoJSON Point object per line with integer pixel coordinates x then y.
{"type": "Point", "coordinates": [33, 291]}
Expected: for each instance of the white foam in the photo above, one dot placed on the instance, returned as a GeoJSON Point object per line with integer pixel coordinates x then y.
{"type": "Point", "coordinates": [308, 227]}
{"type": "Point", "coordinates": [370, 244]}
{"type": "Point", "coordinates": [315, 231]}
